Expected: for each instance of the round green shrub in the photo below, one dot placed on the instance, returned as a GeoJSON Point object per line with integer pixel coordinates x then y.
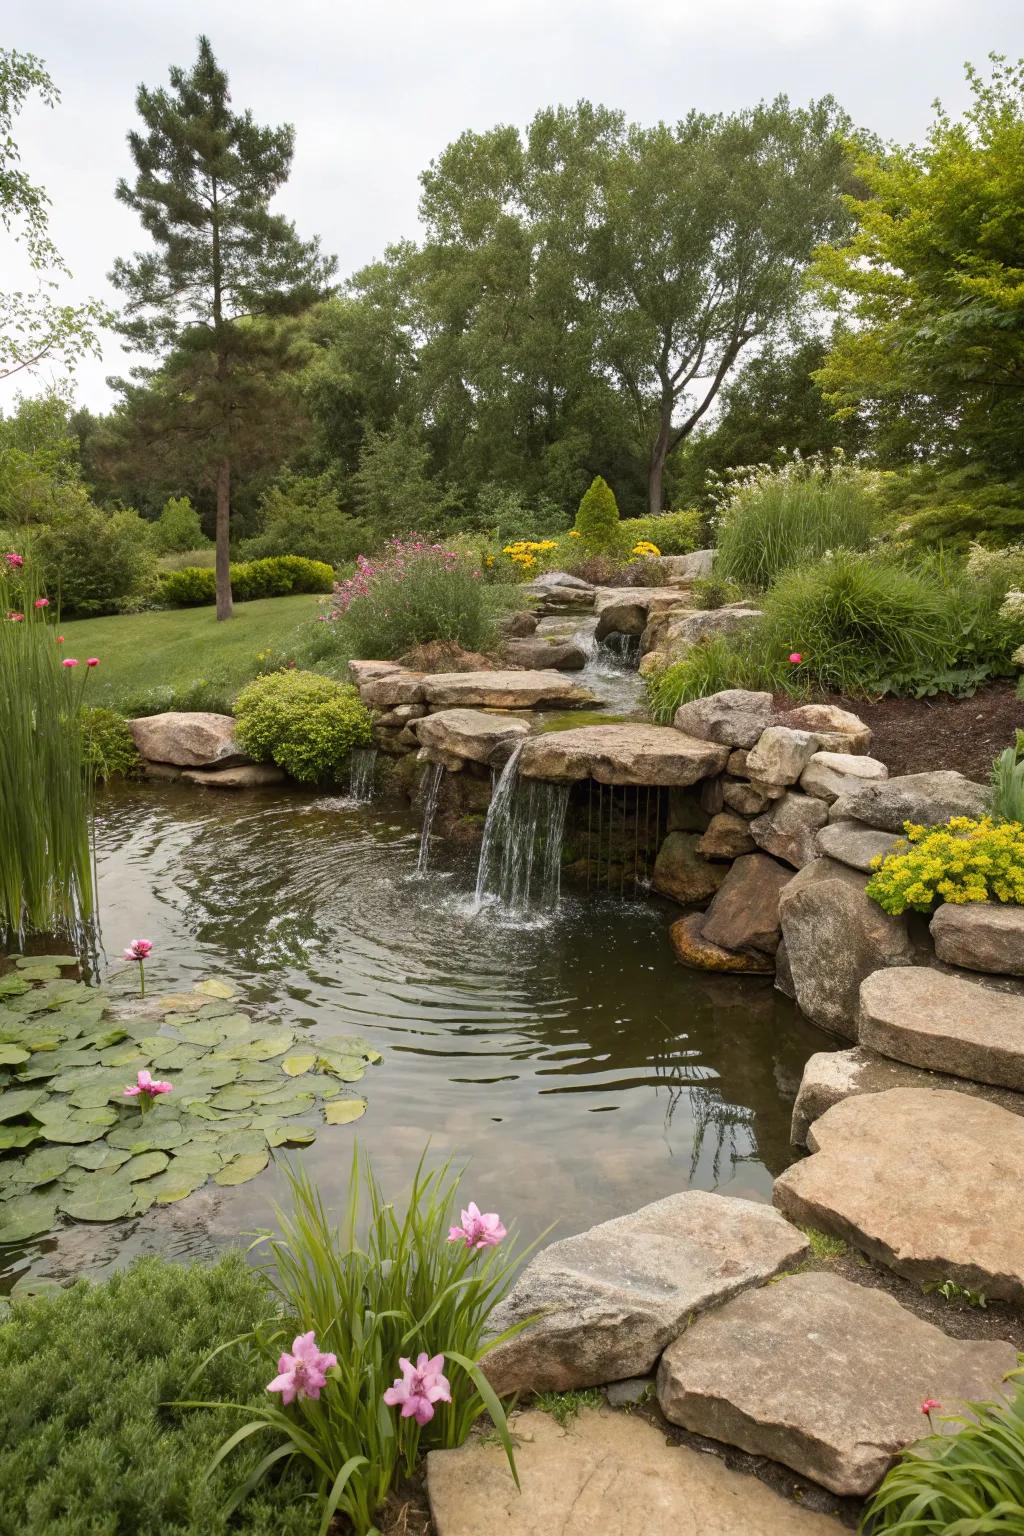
{"type": "Point", "coordinates": [93, 561]}
{"type": "Point", "coordinates": [675, 533]}
{"type": "Point", "coordinates": [597, 521]}
{"type": "Point", "coordinates": [110, 750]}
{"type": "Point", "coordinates": [305, 723]}
{"type": "Point", "coordinates": [196, 586]}
{"type": "Point", "coordinates": [177, 528]}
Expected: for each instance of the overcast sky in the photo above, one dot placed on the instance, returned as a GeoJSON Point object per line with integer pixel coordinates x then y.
{"type": "Point", "coordinates": [376, 89]}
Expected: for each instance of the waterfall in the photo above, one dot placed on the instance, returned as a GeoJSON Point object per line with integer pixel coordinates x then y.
{"type": "Point", "coordinates": [624, 648]}
{"type": "Point", "coordinates": [431, 791]}
{"type": "Point", "coordinates": [361, 765]}
{"type": "Point", "coordinates": [523, 819]}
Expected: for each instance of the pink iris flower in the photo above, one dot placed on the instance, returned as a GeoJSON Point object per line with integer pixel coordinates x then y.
{"type": "Point", "coordinates": [145, 1084]}
{"type": "Point", "coordinates": [15, 618]}
{"type": "Point", "coordinates": [93, 661]}
{"type": "Point", "coordinates": [419, 1387]}
{"type": "Point", "coordinates": [41, 602]}
{"type": "Point", "coordinates": [13, 560]}
{"type": "Point", "coordinates": [138, 949]}
{"type": "Point", "coordinates": [69, 661]}
{"type": "Point", "coordinates": [479, 1229]}
{"type": "Point", "coordinates": [304, 1372]}
{"type": "Point", "coordinates": [796, 657]}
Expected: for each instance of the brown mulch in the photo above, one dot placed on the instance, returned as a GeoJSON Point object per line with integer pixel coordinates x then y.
{"type": "Point", "coordinates": [921, 735]}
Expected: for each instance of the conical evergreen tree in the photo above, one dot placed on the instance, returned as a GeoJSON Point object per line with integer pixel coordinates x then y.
{"type": "Point", "coordinates": [209, 299]}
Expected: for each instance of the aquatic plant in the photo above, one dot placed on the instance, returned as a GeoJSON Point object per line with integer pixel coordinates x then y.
{"type": "Point", "coordinates": [139, 950]}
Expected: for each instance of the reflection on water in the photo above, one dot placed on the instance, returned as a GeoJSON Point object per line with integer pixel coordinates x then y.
{"type": "Point", "coordinates": [569, 1060]}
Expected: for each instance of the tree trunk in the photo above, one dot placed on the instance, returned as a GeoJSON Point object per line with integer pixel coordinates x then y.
{"type": "Point", "coordinates": [659, 453]}
{"type": "Point", "coordinates": [224, 605]}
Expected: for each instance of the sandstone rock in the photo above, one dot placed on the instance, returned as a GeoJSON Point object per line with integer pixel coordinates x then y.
{"type": "Point", "coordinates": [188, 739]}
{"type": "Point", "coordinates": [746, 799]}
{"type": "Point", "coordinates": [620, 754]}
{"type": "Point", "coordinates": [745, 913]}
{"type": "Point", "coordinates": [612, 1298]}
{"type": "Point", "coordinates": [831, 1076]}
{"type": "Point", "coordinates": [559, 592]}
{"type": "Point", "coordinates": [925, 1181]}
{"type": "Point", "coordinates": [838, 729]}
{"type": "Point", "coordinates": [854, 844]}
{"type": "Point", "coordinates": [606, 1474]}
{"type": "Point", "coordinates": [626, 610]}
{"type": "Point", "coordinates": [831, 774]}
{"type": "Point", "coordinates": [245, 776]}
{"type": "Point", "coordinates": [517, 625]}
{"type": "Point", "coordinates": [683, 570]}
{"type": "Point", "coordinates": [781, 754]}
{"type": "Point", "coordinates": [394, 719]}
{"type": "Point", "coordinates": [737, 764]}
{"type": "Point", "coordinates": [822, 1375]}
{"type": "Point", "coordinates": [470, 734]}
{"type": "Point", "coordinates": [789, 827]}
{"type": "Point", "coordinates": [536, 654]}
{"type": "Point", "coordinates": [691, 628]}
{"type": "Point", "coordinates": [835, 936]}
{"type": "Point", "coordinates": [692, 949]}
{"type": "Point", "coordinates": [360, 672]}
{"type": "Point", "coordinates": [925, 798]}
{"type": "Point", "coordinates": [682, 873]}
{"type": "Point", "coordinates": [983, 936]}
{"type": "Point", "coordinates": [727, 836]}
{"type": "Point", "coordinates": [947, 1023]}
{"type": "Point", "coordinates": [548, 579]}
{"type": "Point", "coordinates": [503, 690]}
{"type": "Point", "coordinates": [735, 718]}
{"type": "Point", "coordinates": [394, 688]}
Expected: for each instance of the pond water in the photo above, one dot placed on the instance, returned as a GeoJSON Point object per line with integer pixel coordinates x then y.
{"type": "Point", "coordinates": [567, 1058]}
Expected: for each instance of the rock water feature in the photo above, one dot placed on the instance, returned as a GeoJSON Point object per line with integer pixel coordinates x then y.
{"type": "Point", "coordinates": [430, 792]}
{"type": "Point", "coordinates": [362, 766]}
{"type": "Point", "coordinates": [521, 853]}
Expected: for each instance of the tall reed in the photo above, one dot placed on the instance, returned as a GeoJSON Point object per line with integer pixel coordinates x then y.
{"type": "Point", "coordinates": [46, 869]}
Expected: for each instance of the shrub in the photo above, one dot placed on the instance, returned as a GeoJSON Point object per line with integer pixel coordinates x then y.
{"type": "Point", "coordinates": [301, 515]}
{"type": "Point", "coordinates": [93, 561]}
{"type": "Point", "coordinates": [719, 662]}
{"type": "Point", "coordinates": [110, 750]}
{"type": "Point", "coordinates": [177, 528]}
{"type": "Point", "coordinates": [1008, 782]}
{"type": "Point", "coordinates": [305, 723]}
{"type": "Point", "coordinates": [597, 521]}
{"type": "Point", "coordinates": [714, 592]}
{"type": "Point", "coordinates": [933, 506]}
{"type": "Point", "coordinates": [89, 1443]}
{"type": "Point", "coordinates": [774, 519]}
{"type": "Point", "coordinates": [674, 533]}
{"type": "Point", "coordinates": [196, 586]}
{"type": "Point", "coordinates": [960, 862]}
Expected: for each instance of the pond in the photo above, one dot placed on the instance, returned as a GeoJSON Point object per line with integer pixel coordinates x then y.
{"type": "Point", "coordinates": [576, 1067]}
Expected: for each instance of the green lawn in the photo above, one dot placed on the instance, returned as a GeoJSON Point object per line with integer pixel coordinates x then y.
{"type": "Point", "coordinates": [182, 657]}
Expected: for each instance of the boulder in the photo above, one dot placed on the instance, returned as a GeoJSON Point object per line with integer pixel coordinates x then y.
{"type": "Point", "coordinates": [781, 754]}
{"type": "Point", "coordinates": [737, 764]}
{"type": "Point", "coordinates": [607, 1302]}
{"type": "Point", "coordinates": [835, 937]}
{"type": "Point", "coordinates": [395, 719]}
{"type": "Point", "coordinates": [831, 774]}
{"type": "Point", "coordinates": [470, 734]}
{"type": "Point", "coordinates": [735, 718]}
{"type": "Point", "coordinates": [536, 653]}
{"type": "Point", "coordinates": [927, 799]}
{"type": "Point", "coordinates": [245, 776]}
{"type": "Point", "coordinates": [746, 799]}
{"type": "Point", "coordinates": [783, 974]}
{"type": "Point", "coordinates": [515, 626]}
{"type": "Point", "coordinates": [854, 844]}
{"type": "Point", "coordinates": [605, 1474]}
{"type": "Point", "coordinates": [822, 1375]}
{"type": "Point", "coordinates": [831, 1076]}
{"type": "Point", "coordinates": [551, 579]}
{"type": "Point", "coordinates": [503, 690]}
{"type": "Point", "coordinates": [626, 610]}
{"type": "Point", "coordinates": [745, 913]}
{"type": "Point", "coordinates": [788, 829]}
{"type": "Point", "coordinates": [726, 837]}
{"type": "Point", "coordinates": [684, 570]}
{"type": "Point", "coordinates": [558, 592]}
{"type": "Point", "coordinates": [360, 672]}
{"type": "Point", "coordinates": [691, 628]}
{"type": "Point", "coordinates": [945, 1022]}
{"type": "Point", "coordinates": [393, 688]}
{"type": "Point", "coordinates": [188, 739]}
{"type": "Point", "coordinates": [692, 949]}
{"type": "Point", "coordinates": [164, 773]}
{"type": "Point", "coordinates": [631, 753]}
{"type": "Point", "coordinates": [837, 729]}
{"type": "Point", "coordinates": [983, 936]}
{"type": "Point", "coordinates": [924, 1181]}
{"type": "Point", "coordinates": [682, 873]}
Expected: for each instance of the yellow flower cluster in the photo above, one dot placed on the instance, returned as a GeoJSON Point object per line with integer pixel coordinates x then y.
{"type": "Point", "coordinates": [574, 533]}
{"type": "Point", "coordinates": [524, 552]}
{"type": "Point", "coordinates": [962, 861]}
{"type": "Point", "coordinates": [645, 547]}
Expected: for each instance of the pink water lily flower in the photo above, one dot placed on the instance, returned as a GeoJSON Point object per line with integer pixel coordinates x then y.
{"type": "Point", "coordinates": [419, 1387]}
{"type": "Point", "coordinates": [304, 1372]}
{"type": "Point", "coordinates": [479, 1229]}
{"type": "Point", "coordinates": [138, 949]}
{"type": "Point", "coordinates": [929, 1406]}
{"type": "Point", "coordinates": [147, 1085]}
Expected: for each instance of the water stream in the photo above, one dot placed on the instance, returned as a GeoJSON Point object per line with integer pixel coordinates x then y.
{"type": "Point", "coordinates": [431, 793]}
{"type": "Point", "coordinates": [362, 766]}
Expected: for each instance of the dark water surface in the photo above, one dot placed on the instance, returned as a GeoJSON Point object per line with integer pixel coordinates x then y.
{"type": "Point", "coordinates": [576, 1067]}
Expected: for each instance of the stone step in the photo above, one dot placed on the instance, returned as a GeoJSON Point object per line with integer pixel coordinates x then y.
{"type": "Point", "coordinates": [502, 690]}
{"type": "Point", "coordinates": [947, 1023]}
{"type": "Point", "coordinates": [823, 1375]}
{"type": "Point", "coordinates": [925, 1181]}
{"type": "Point", "coordinates": [621, 754]}
{"type": "Point", "coordinates": [604, 1474]}
{"type": "Point", "coordinates": [831, 1076]}
{"type": "Point", "coordinates": [982, 935]}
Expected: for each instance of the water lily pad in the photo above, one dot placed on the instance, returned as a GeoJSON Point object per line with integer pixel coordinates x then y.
{"type": "Point", "coordinates": [28, 1216]}
{"type": "Point", "coordinates": [144, 1166]}
{"type": "Point", "coordinates": [18, 1101]}
{"type": "Point", "coordinates": [98, 1156]}
{"type": "Point", "coordinates": [149, 1135]}
{"type": "Point", "coordinates": [181, 1002]}
{"type": "Point", "coordinates": [175, 1055]}
{"type": "Point", "coordinates": [72, 1132]}
{"type": "Point", "coordinates": [34, 1285]}
{"type": "Point", "coordinates": [349, 1069]}
{"type": "Point", "coordinates": [13, 985]}
{"type": "Point", "coordinates": [352, 1045]}
{"type": "Point", "coordinates": [41, 1166]}
{"type": "Point", "coordinates": [290, 1135]}
{"type": "Point", "coordinates": [232, 1098]}
{"type": "Point", "coordinates": [241, 1144]}
{"type": "Point", "coordinates": [175, 1183]}
{"type": "Point", "coordinates": [100, 1199]}
{"type": "Point", "coordinates": [201, 1031]}
{"type": "Point", "coordinates": [298, 1062]}
{"type": "Point", "coordinates": [343, 1111]}
{"type": "Point", "coordinates": [242, 1168]}
{"type": "Point", "coordinates": [18, 1136]}
{"type": "Point", "coordinates": [233, 1026]}
{"type": "Point", "coordinates": [128, 1055]}
{"type": "Point", "coordinates": [92, 1094]}
{"type": "Point", "coordinates": [13, 1055]}
{"type": "Point", "coordinates": [293, 1104]}
{"type": "Point", "coordinates": [214, 987]}
{"type": "Point", "coordinates": [262, 1048]}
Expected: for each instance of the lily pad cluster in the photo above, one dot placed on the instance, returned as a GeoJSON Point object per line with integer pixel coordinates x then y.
{"type": "Point", "coordinates": [72, 1144]}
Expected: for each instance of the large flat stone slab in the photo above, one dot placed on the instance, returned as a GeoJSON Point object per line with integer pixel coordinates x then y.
{"type": "Point", "coordinates": [929, 1183]}
{"type": "Point", "coordinates": [503, 690]}
{"type": "Point", "coordinates": [982, 935]}
{"type": "Point", "coordinates": [605, 1474]}
{"type": "Point", "coordinates": [823, 1375]}
{"type": "Point", "coordinates": [470, 734]}
{"type": "Point", "coordinates": [854, 844]}
{"type": "Point", "coordinates": [611, 1298]}
{"type": "Point", "coordinates": [831, 1076]}
{"type": "Point", "coordinates": [923, 798]}
{"type": "Point", "coordinates": [622, 754]}
{"type": "Point", "coordinates": [188, 739]}
{"type": "Point", "coordinates": [947, 1023]}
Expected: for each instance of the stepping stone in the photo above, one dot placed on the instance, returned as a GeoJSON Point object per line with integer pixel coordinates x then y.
{"type": "Point", "coordinates": [947, 1023]}
{"type": "Point", "coordinates": [501, 690]}
{"type": "Point", "coordinates": [925, 1181]}
{"type": "Point", "coordinates": [621, 754]}
{"type": "Point", "coordinates": [983, 936]}
{"type": "Point", "coordinates": [823, 1375]}
{"type": "Point", "coordinates": [831, 1076]}
{"type": "Point", "coordinates": [605, 1474]}
{"type": "Point", "coordinates": [610, 1299]}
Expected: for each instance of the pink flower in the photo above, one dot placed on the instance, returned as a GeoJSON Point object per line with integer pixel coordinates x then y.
{"type": "Point", "coordinates": [13, 560]}
{"type": "Point", "coordinates": [796, 658]}
{"type": "Point", "coordinates": [419, 1388]}
{"type": "Point", "coordinates": [478, 1230]}
{"type": "Point", "coordinates": [147, 1085]}
{"type": "Point", "coordinates": [60, 639]}
{"type": "Point", "coordinates": [69, 661]}
{"type": "Point", "coordinates": [138, 949]}
{"type": "Point", "coordinates": [304, 1372]}
{"type": "Point", "coordinates": [15, 618]}
{"type": "Point", "coordinates": [41, 602]}
{"type": "Point", "coordinates": [929, 1406]}
{"type": "Point", "coordinates": [93, 661]}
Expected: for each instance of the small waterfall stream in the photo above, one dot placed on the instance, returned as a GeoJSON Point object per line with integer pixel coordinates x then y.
{"type": "Point", "coordinates": [523, 834]}
{"type": "Point", "coordinates": [362, 764]}
{"type": "Point", "coordinates": [431, 790]}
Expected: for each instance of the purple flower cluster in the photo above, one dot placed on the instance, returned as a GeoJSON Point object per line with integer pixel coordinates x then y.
{"type": "Point", "coordinates": [400, 555]}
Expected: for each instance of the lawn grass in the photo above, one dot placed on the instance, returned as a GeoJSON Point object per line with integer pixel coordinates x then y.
{"type": "Point", "coordinates": [182, 657]}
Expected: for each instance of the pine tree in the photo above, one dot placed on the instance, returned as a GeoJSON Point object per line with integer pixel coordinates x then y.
{"type": "Point", "coordinates": [597, 519]}
{"type": "Point", "coordinates": [210, 299]}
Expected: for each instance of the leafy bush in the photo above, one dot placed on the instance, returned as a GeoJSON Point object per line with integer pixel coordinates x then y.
{"type": "Point", "coordinates": [960, 862]}
{"type": "Point", "coordinates": [89, 1445]}
{"type": "Point", "coordinates": [1008, 782]}
{"type": "Point", "coordinates": [108, 745]}
{"type": "Point", "coordinates": [305, 723]}
{"type": "Point", "coordinates": [597, 520]}
{"type": "Point", "coordinates": [177, 528]}
{"type": "Point", "coordinates": [674, 533]}
{"type": "Point", "coordinates": [932, 506]}
{"type": "Point", "coordinates": [196, 586]}
{"type": "Point", "coordinates": [714, 592]}
{"type": "Point", "coordinates": [970, 1482]}
{"type": "Point", "coordinates": [771, 520]}
{"type": "Point", "coordinates": [301, 515]}
{"type": "Point", "coordinates": [92, 561]}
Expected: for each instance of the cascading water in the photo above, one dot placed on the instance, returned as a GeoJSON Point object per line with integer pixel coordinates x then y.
{"type": "Point", "coordinates": [523, 819]}
{"type": "Point", "coordinates": [361, 766]}
{"type": "Point", "coordinates": [431, 790]}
